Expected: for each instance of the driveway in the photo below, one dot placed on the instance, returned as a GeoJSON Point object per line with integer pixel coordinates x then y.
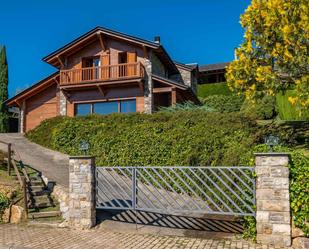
{"type": "Point", "coordinates": [22, 237]}
{"type": "Point", "coordinates": [54, 165]}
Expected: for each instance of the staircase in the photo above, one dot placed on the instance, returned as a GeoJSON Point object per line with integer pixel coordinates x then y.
{"type": "Point", "coordinates": [38, 202]}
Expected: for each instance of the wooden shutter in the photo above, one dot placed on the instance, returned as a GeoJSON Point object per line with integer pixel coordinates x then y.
{"type": "Point", "coordinates": [131, 57]}
{"type": "Point", "coordinates": [105, 66]}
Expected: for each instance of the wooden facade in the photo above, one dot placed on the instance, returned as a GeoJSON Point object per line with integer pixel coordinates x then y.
{"type": "Point", "coordinates": [104, 71]}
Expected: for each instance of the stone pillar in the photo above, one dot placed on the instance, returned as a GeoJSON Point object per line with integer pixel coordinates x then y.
{"type": "Point", "coordinates": [273, 219]}
{"type": "Point", "coordinates": [82, 212]}
{"type": "Point", "coordinates": [148, 95]}
{"type": "Point", "coordinates": [62, 104]}
{"type": "Point", "coordinates": [22, 117]}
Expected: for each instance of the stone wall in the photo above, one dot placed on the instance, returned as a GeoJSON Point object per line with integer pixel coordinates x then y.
{"type": "Point", "coordinates": [62, 104]}
{"type": "Point", "coordinates": [148, 85]}
{"type": "Point", "coordinates": [22, 117]}
{"type": "Point", "coordinates": [82, 212]}
{"type": "Point", "coordinates": [186, 77]}
{"type": "Point", "coordinates": [273, 219]}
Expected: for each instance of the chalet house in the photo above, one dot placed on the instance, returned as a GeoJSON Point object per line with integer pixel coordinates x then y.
{"type": "Point", "coordinates": [102, 72]}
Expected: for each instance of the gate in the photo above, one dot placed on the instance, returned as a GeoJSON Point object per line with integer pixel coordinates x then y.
{"type": "Point", "coordinates": [177, 190]}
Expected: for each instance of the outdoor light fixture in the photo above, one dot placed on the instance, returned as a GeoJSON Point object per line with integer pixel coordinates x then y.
{"type": "Point", "coordinates": [271, 141]}
{"type": "Point", "coordinates": [84, 146]}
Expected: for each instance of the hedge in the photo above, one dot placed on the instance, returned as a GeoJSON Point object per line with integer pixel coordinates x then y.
{"type": "Point", "coordinates": [194, 137]}
{"type": "Point", "coordinates": [205, 90]}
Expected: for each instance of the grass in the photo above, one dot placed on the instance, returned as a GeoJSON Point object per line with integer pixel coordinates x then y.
{"type": "Point", "coordinates": [286, 110]}
{"type": "Point", "coordinates": [206, 90]}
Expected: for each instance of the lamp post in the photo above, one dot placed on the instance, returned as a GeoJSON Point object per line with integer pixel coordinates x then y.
{"type": "Point", "coordinates": [271, 141]}
{"type": "Point", "coordinates": [84, 146]}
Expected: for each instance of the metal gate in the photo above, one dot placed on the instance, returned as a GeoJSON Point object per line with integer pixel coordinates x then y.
{"type": "Point", "coordinates": [177, 190]}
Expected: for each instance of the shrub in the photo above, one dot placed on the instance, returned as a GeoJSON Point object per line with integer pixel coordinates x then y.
{"type": "Point", "coordinates": [186, 107]}
{"type": "Point", "coordinates": [4, 203]}
{"type": "Point", "coordinates": [205, 90]}
{"type": "Point", "coordinates": [261, 109]}
{"type": "Point", "coordinates": [194, 137]}
{"type": "Point", "coordinates": [223, 103]}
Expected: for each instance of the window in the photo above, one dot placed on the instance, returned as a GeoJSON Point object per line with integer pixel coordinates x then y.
{"type": "Point", "coordinates": [128, 106]}
{"type": "Point", "coordinates": [83, 109]}
{"type": "Point", "coordinates": [105, 107]}
{"type": "Point", "coordinates": [108, 107]}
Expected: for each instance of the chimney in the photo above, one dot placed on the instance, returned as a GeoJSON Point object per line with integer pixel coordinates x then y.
{"type": "Point", "coordinates": [157, 39]}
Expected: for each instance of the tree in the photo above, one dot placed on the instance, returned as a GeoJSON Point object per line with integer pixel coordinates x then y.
{"type": "Point", "coordinates": [274, 56]}
{"type": "Point", "coordinates": [4, 117]}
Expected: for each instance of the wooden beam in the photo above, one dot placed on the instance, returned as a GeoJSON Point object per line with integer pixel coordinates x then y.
{"type": "Point", "coordinates": [57, 82]}
{"type": "Point", "coordinates": [174, 96]}
{"type": "Point", "coordinates": [145, 50]}
{"type": "Point", "coordinates": [60, 61]}
{"type": "Point", "coordinates": [102, 43]}
{"type": "Point", "coordinates": [102, 90]}
{"type": "Point", "coordinates": [162, 89]}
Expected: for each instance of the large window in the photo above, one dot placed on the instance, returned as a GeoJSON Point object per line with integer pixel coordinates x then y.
{"type": "Point", "coordinates": [128, 106]}
{"type": "Point", "coordinates": [83, 109]}
{"type": "Point", "coordinates": [108, 107]}
{"type": "Point", "coordinates": [105, 107]}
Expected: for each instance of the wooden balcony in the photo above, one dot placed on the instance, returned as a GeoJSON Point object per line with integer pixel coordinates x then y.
{"type": "Point", "coordinates": [104, 73]}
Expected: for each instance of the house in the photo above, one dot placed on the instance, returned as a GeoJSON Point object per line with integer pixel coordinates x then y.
{"type": "Point", "coordinates": [212, 73]}
{"type": "Point", "coordinates": [102, 72]}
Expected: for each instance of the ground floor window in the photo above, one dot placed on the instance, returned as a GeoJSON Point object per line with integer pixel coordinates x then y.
{"type": "Point", "coordinates": [107, 107]}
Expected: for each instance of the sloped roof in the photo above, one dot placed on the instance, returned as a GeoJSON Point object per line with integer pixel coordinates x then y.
{"type": "Point", "coordinates": [212, 67]}
{"type": "Point", "coordinates": [104, 31]}
{"type": "Point", "coordinates": [42, 84]}
{"type": "Point", "coordinates": [190, 66]}
{"type": "Point", "coordinates": [52, 57]}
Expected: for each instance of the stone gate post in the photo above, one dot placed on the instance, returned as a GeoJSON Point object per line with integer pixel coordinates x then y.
{"type": "Point", "coordinates": [273, 219]}
{"type": "Point", "coordinates": [82, 212]}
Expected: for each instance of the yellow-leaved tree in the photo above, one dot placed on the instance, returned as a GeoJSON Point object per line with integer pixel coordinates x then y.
{"type": "Point", "coordinates": [274, 56]}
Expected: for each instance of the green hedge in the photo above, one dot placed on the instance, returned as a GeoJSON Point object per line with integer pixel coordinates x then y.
{"type": "Point", "coordinates": [206, 90]}
{"type": "Point", "coordinates": [223, 103]}
{"type": "Point", "coordinates": [194, 137]}
{"type": "Point", "coordinates": [264, 108]}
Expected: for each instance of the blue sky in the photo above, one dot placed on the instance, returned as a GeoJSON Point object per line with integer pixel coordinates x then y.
{"type": "Point", "coordinates": [201, 31]}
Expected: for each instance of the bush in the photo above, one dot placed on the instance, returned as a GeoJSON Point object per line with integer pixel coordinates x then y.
{"type": "Point", "coordinates": [261, 109]}
{"type": "Point", "coordinates": [194, 137]}
{"type": "Point", "coordinates": [4, 203]}
{"type": "Point", "coordinates": [223, 103]}
{"type": "Point", "coordinates": [186, 107]}
{"type": "Point", "coordinates": [205, 90]}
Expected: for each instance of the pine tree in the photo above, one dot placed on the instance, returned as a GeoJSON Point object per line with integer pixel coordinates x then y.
{"type": "Point", "coordinates": [4, 117]}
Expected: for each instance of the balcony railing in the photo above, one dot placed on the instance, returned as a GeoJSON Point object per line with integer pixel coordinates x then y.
{"type": "Point", "coordinates": [104, 73]}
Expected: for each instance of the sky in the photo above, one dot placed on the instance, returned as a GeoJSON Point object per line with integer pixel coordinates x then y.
{"type": "Point", "coordinates": [192, 31]}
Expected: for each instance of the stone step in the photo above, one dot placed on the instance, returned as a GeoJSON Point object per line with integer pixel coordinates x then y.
{"type": "Point", "coordinates": [48, 214]}
{"type": "Point", "coordinates": [36, 188]}
{"type": "Point", "coordinates": [40, 192]}
{"type": "Point", "coordinates": [36, 183]}
{"type": "Point", "coordinates": [40, 205]}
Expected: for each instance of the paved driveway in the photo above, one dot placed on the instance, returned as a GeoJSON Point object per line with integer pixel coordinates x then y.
{"type": "Point", "coordinates": [54, 165]}
{"type": "Point", "coordinates": [21, 237]}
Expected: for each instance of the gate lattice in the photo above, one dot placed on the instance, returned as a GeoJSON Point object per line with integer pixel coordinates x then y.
{"type": "Point", "coordinates": [177, 190]}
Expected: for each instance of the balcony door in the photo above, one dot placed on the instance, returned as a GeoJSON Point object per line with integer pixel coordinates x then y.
{"type": "Point", "coordinates": [127, 61]}
{"type": "Point", "coordinates": [91, 68]}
